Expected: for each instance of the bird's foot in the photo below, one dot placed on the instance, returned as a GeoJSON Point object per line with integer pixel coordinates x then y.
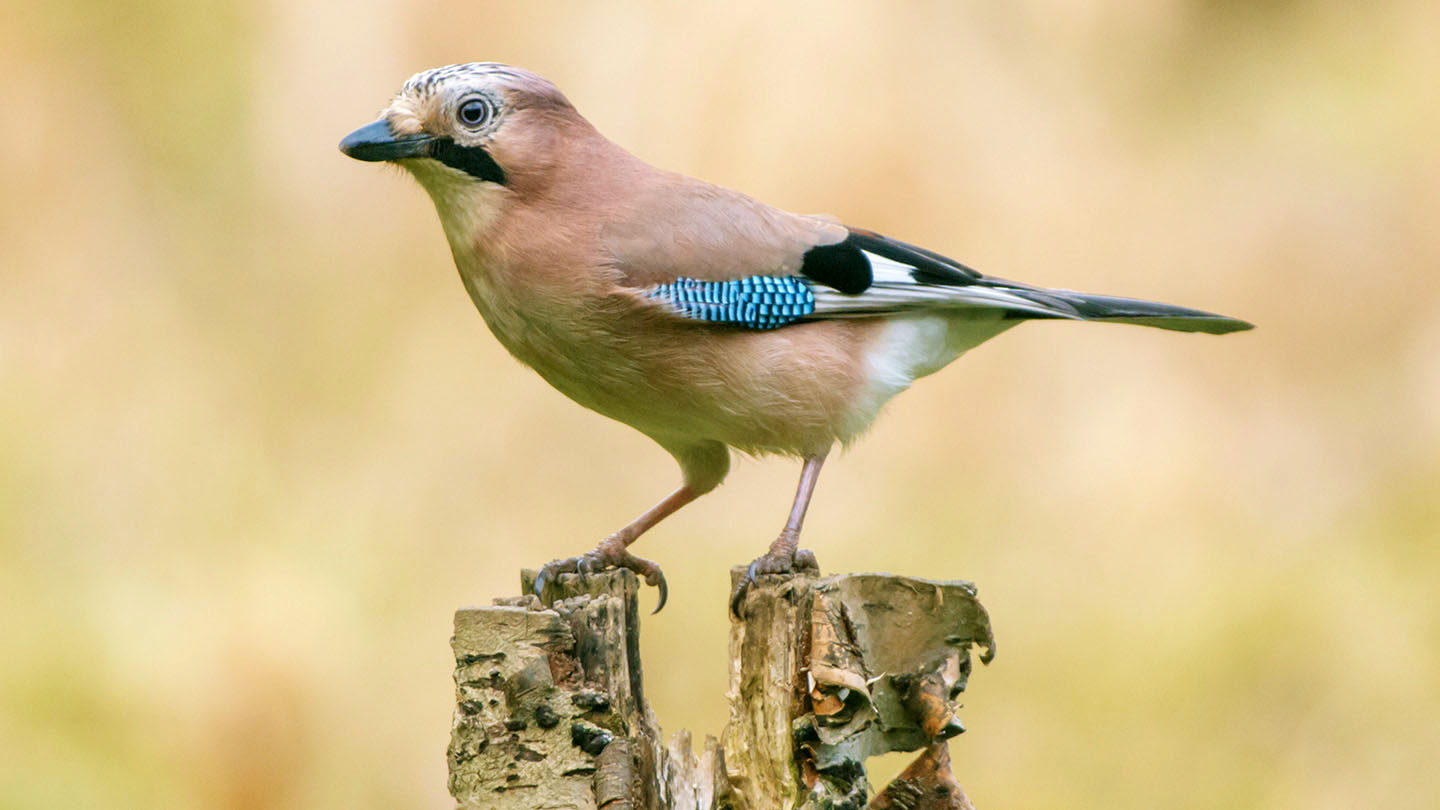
{"type": "Point", "coordinates": [610, 554]}
{"type": "Point", "coordinates": [782, 558]}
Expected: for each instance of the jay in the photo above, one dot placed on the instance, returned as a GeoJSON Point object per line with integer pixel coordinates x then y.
{"type": "Point", "coordinates": [702, 318]}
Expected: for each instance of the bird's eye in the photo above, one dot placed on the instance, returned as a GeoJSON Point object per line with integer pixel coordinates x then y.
{"type": "Point", "coordinates": [474, 112]}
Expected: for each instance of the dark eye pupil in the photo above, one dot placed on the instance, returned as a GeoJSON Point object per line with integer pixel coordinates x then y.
{"type": "Point", "coordinates": [473, 112]}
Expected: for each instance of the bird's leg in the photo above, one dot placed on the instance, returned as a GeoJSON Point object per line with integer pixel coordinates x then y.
{"type": "Point", "coordinates": [611, 552]}
{"type": "Point", "coordinates": [785, 555]}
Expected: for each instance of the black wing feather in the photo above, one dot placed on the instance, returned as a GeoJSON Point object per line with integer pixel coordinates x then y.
{"type": "Point", "coordinates": [841, 266]}
{"type": "Point", "coordinates": [930, 267]}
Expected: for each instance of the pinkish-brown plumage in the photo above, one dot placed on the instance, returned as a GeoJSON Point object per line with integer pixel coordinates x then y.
{"type": "Point", "coordinates": [566, 244]}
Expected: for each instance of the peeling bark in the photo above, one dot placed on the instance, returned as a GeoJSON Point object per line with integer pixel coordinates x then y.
{"type": "Point", "coordinates": [824, 673]}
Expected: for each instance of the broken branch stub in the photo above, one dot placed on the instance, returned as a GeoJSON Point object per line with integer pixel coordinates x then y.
{"type": "Point", "coordinates": [824, 673]}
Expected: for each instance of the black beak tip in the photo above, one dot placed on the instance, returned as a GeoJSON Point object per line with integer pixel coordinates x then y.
{"type": "Point", "coordinates": [360, 143]}
{"type": "Point", "coordinates": [375, 142]}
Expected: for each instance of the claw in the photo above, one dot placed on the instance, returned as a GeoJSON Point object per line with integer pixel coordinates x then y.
{"type": "Point", "coordinates": [741, 588]}
{"type": "Point", "coordinates": [664, 592]}
{"type": "Point", "coordinates": [805, 561]}
{"type": "Point", "coordinates": [551, 571]}
{"type": "Point", "coordinates": [542, 579]}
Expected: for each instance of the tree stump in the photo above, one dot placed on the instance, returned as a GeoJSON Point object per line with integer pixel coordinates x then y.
{"type": "Point", "coordinates": [824, 673]}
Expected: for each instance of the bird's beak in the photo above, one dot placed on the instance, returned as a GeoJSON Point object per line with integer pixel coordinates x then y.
{"type": "Point", "coordinates": [375, 141]}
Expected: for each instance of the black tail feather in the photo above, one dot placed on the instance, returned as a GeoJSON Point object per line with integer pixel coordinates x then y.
{"type": "Point", "coordinates": [1130, 310]}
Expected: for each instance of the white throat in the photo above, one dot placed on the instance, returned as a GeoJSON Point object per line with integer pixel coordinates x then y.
{"type": "Point", "coordinates": [468, 208]}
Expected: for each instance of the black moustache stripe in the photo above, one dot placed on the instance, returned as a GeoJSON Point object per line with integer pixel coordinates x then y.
{"type": "Point", "coordinates": [473, 160]}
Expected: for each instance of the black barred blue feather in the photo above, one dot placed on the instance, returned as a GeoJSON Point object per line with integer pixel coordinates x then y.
{"type": "Point", "coordinates": [755, 302]}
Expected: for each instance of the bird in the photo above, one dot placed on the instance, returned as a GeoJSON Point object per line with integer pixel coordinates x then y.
{"type": "Point", "coordinates": [705, 319]}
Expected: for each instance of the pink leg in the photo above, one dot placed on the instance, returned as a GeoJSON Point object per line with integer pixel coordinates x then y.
{"type": "Point", "coordinates": [612, 553]}
{"type": "Point", "coordinates": [785, 554]}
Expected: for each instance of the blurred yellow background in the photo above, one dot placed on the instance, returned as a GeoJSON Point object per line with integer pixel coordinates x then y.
{"type": "Point", "coordinates": [256, 445]}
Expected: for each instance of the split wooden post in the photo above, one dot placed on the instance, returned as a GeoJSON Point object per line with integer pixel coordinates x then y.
{"type": "Point", "coordinates": [824, 673]}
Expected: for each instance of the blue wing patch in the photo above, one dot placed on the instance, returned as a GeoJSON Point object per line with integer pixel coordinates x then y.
{"type": "Point", "coordinates": [755, 302]}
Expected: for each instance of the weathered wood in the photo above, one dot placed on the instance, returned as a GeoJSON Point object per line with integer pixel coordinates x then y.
{"type": "Point", "coordinates": [824, 673]}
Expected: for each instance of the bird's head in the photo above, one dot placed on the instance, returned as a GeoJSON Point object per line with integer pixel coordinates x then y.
{"type": "Point", "coordinates": [469, 133]}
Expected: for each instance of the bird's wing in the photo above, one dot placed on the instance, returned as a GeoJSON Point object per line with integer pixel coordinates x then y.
{"type": "Point", "coordinates": [712, 255]}
{"type": "Point", "coordinates": [708, 254]}
{"type": "Point", "coordinates": [674, 227]}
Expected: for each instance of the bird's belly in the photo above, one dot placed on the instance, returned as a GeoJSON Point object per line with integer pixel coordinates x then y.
{"type": "Point", "coordinates": [787, 391]}
{"type": "Point", "coordinates": [704, 393]}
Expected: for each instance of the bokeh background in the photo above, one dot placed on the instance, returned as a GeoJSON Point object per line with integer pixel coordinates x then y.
{"type": "Point", "coordinates": [255, 444]}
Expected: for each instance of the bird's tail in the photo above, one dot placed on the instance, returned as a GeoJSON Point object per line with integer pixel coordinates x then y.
{"type": "Point", "coordinates": [1108, 308]}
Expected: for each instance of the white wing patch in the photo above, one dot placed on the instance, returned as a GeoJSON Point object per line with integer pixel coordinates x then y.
{"type": "Point", "coordinates": [895, 289]}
